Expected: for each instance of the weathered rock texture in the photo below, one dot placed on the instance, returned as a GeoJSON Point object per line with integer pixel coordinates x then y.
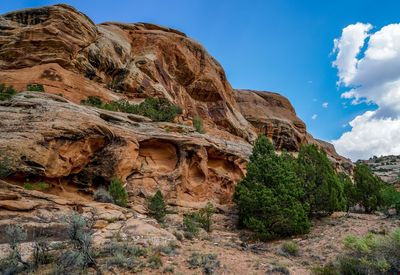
{"type": "Point", "coordinates": [77, 148]}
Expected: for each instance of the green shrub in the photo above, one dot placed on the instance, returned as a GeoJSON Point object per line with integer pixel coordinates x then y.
{"type": "Point", "coordinates": [14, 263]}
{"type": "Point", "coordinates": [192, 222]}
{"type": "Point", "coordinates": [350, 191]}
{"type": "Point", "coordinates": [41, 253]}
{"type": "Point", "coordinates": [368, 188]}
{"type": "Point", "coordinates": [102, 195]}
{"type": "Point", "coordinates": [157, 207]}
{"type": "Point", "coordinates": [209, 262]}
{"type": "Point", "coordinates": [94, 101]}
{"type": "Point", "coordinates": [6, 92]}
{"type": "Point", "coordinates": [328, 269]}
{"type": "Point", "coordinates": [33, 87]}
{"type": "Point", "coordinates": [390, 198]}
{"type": "Point", "coordinates": [155, 261]}
{"type": "Point", "coordinates": [198, 124]}
{"type": "Point", "coordinates": [5, 165]}
{"type": "Point", "coordinates": [371, 254]}
{"type": "Point", "coordinates": [269, 196]}
{"type": "Point", "coordinates": [157, 109]}
{"type": "Point", "coordinates": [204, 217]}
{"type": "Point", "coordinates": [40, 186]}
{"type": "Point", "coordinates": [80, 231]}
{"type": "Point", "coordinates": [118, 192]}
{"type": "Point", "coordinates": [191, 226]}
{"type": "Point", "coordinates": [323, 190]}
{"type": "Point", "coordinates": [290, 248]}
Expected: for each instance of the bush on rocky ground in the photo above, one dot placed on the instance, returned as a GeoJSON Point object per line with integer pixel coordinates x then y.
{"type": "Point", "coordinates": [102, 195]}
{"type": "Point", "coordinates": [118, 192]}
{"type": "Point", "coordinates": [157, 109]}
{"type": "Point", "coordinates": [33, 87]}
{"type": "Point", "coordinates": [368, 255]}
{"type": "Point", "coordinates": [269, 197]}
{"type": "Point", "coordinates": [6, 92]}
{"type": "Point", "coordinates": [157, 207]}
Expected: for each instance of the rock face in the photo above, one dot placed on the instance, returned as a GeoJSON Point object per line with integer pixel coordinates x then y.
{"type": "Point", "coordinates": [51, 138]}
{"type": "Point", "coordinates": [274, 116]}
{"type": "Point", "coordinates": [385, 167]}
{"type": "Point", "coordinates": [134, 60]}
{"type": "Point", "coordinates": [48, 136]}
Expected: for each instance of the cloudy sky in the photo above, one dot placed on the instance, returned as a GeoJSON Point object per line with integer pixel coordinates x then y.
{"type": "Point", "coordinates": [335, 60]}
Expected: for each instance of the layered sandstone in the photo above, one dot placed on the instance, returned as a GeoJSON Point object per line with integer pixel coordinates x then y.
{"type": "Point", "coordinates": [49, 136]}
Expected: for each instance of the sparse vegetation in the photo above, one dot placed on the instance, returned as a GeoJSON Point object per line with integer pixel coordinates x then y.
{"type": "Point", "coordinates": [34, 87]}
{"type": "Point", "coordinates": [192, 222]}
{"type": "Point", "coordinates": [290, 248]}
{"type": "Point", "coordinates": [157, 207]}
{"type": "Point", "coordinates": [157, 109]}
{"type": "Point", "coordinates": [79, 231]}
{"type": "Point", "coordinates": [6, 92]}
{"type": "Point", "coordinates": [5, 165]}
{"type": "Point", "coordinates": [198, 124]}
{"type": "Point", "coordinates": [40, 186]}
{"type": "Point", "coordinates": [118, 192]}
{"type": "Point", "coordinates": [209, 262]}
{"type": "Point", "coordinates": [155, 261]}
{"type": "Point", "coordinates": [14, 263]}
{"type": "Point", "coordinates": [371, 254]}
{"type": "Point", "coordinates": [102, 195]}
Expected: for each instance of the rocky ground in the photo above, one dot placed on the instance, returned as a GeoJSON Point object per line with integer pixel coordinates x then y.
{"type": "Point", "coordinates": [234, 254]}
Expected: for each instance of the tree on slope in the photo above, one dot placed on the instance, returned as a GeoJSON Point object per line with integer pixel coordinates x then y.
{"type": "Point", "coordinates": [269, 196]}
{"type": "Point", "coordinates": [323, 190]}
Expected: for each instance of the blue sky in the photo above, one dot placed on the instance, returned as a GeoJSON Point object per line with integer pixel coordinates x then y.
{"type": "Point", "coordinates": [274, 45]}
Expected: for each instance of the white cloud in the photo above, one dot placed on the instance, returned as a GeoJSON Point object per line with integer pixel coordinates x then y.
{"type": "Point", "coordinates": [325, 105]}
{"type": "Point", "coordinates": [314, 116]}
{"type": "Point", "coordinates": [372, 76]}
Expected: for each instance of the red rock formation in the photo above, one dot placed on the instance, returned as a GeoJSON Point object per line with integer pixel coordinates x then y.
{"type": "Point", "coordinates": [50, 137]}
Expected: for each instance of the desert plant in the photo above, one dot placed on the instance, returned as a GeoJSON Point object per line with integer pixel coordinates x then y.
{"type": "Point", "coordinates": [102, 195]}
{"type": "Point", "coordinates": [40, 186]}
{"type": "Point", "coordinates": [6, 92]}
{"type": "Point", "coordinates": [290, 248]}
{"type": "Point", "coordinates": [371, 254]}
{"type": "Point", "coordinates": [157, 207]}
{"type": "Point", "coordinates": [34, 87]}
{"type": "Point", "coordinates": [154, 261]}
{"type": "Point", "coordinates": [94, 101]}
{"type": "Point", "coordinates": [390, 198]}
{"type": "Point", "coordinates": [14, 263]}
{"type": "Point", "coordinates": [209, 262]}
{"type": "Point", "coordinates": [41, 252]}
{"type": "Point", "coordinates": [204, 217]}
{"type": "Point", "coordinates": [79, 230]}
{"type": "Point", "coordinates": [368, 188]}
{"type": "Point", "coordinates": [198, 124]}
{"type": "Point", "coordinates": [5, 165]}
{"type": "Point", "coordinates": [323, 190]}
{"type": "Point", "coordinates": [157, 109]}
{"type": "Point", "coordinates": [269, 196]}
{"type": "Point", "coordinates": [118, 192]}
{"type": "Point", "coordinates": [191, 226]}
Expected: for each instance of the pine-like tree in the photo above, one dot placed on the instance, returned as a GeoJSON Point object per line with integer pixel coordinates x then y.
{"type": "Point", "coordinates": [268, 198]}
{"type": "Point", "coordinates": [368, 188]}
{"type": "Point", "coordinates": [157, 208]}
{"type": "Point", "coordinates": [118, 192]}
{"type": "Point", "coordinates": [323, 190]}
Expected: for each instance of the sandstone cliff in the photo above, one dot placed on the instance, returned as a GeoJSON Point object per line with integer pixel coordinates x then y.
{"type": "Point", "coordinates": [49, 136]}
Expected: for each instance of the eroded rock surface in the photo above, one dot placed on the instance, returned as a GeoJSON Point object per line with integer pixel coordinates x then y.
{"type": "Point", "coordinates": [76, 148]}
{"type": "Point", "coordinates": [48, 137]}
